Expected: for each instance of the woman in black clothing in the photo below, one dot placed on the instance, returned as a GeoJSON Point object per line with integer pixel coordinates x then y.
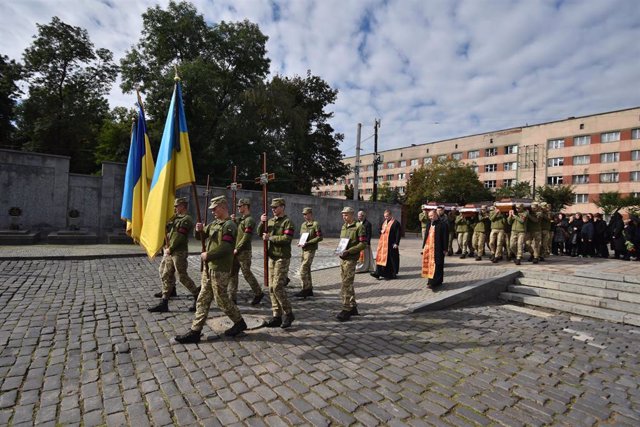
{"type": "Point", "coordinates": [617, 240]}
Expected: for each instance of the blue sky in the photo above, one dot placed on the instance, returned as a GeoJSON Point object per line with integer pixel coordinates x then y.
{"type": "Point", "coordinates": [429, 69]}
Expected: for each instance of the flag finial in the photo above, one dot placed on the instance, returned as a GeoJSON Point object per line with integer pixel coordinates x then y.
{"type": "Point", "coordinates": [176, 77]}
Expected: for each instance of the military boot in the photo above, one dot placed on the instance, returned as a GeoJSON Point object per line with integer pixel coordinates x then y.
{"type": "Point", "coordinates": [344, 315]}
{"type": "Point", "coordinates": [162, 307]}
{"type": "Point", "coordinates": [191, 337]}
{"type": "Point", "coordinates": [354, 311]}
{"type": "Point", "coordinates": [304, 293]}
{"type": "Point", "coordinates": [257, 299]}
{"type": "Point", "coordinates": [535, 260]}
{"type": "Point", "coordinates": [287, 320]}
{"type": "Point", "coordinates": [274, 322]}
{"type": "Point", "coordinates": [171, 295]}
{"type": "Point", "coordinates": [237, 327]}
{"type": "Point", "coordinates": [463, 256]}
{"type": "Point", "coordinates": [517, 261]}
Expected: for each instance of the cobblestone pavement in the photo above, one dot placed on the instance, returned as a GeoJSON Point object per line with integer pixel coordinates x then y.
{"type": "Point", "coordinates": [78, 347]}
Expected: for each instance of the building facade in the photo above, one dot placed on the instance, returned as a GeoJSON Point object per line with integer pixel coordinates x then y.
{"type": "Point", "coordinates": [595, 154]}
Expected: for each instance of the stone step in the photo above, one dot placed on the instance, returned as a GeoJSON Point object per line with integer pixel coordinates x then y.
{"type": "Point", "coordinates": [626, 292]}
{"type": "Point", "coordinates": [613, 304]}
{"type": "Point", "coordinates": [583, 310]}
{"type": "Point", "coordinates": [586, 278]}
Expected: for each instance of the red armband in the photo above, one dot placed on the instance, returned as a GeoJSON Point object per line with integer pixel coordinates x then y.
{"type": "Point", "coordinates": [248, 230]}
{"type": "Point", "coordinates": [227, 238]}
{"type": "Point", "coordinates": [288, 232]}
{"type": "Point", "coordinates": [183, 230]}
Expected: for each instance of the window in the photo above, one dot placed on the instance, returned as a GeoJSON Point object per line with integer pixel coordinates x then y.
{"type": "Point", "coordinates": [580, 179]}
{"type": "Point", "coordinates": [511, 149]}
{"type": "Point", "coordinates": [475, 169]}
{"type": "Point", "coordinates": [369, 179]}
{"type": "Point", "coordinates": [360, 180]}
{"type": "Point", "coordinates": [493, 151]}
{"type": "Point", "coordinates": [635, 155]}
{"type": "Point", "coordinates": [581, 160]}
{"type": "Point", "coordinates": [403, 163]}
{"type": "Point", "coordinates": [401, 190]}
{"type": "Point", "coordinates": [609, 177]}
{"type": "Point", "coordinates": [474, 154]}
{"type": "Point", "coordinates": [582, 140]}
{"type": "Point", "coordinates": [610, 136]}
{"type": "Point", "coordinates": [350, 180]}
{"type": "Point", "coordinates": [391, 165]}
{"type": "Point", "coordinates": [509, 182]}
{"type": "Point", "coordinates": [414, 162]}
{"type": "Point", "coordinates": [491, 168]}
{"type": "Point", "coordinates": [402, 176]}
{"type": "Point", "coordinates": [490, 184]}
{"type": "Point", "coordinates": [635, 133]}
{"type": "Point", "coordinates": [581, 198]}
{"type": "Point", "coordinates": [554, 180]}
{"type": "Point", "coordinates": [442, 157]}
{"type": "Point", "coordinates": [456, 156]}
{"type": "Point", "coordinates": [368, 190]}
{"type": "Point", "coordinates": [554, 144]}
{"type": "Point", "coordinates": [555, 161]}
{"type": "Point", "coordinates": [634, 176]}
{"type": "Point", "coordinates": [510, 166]}
{"type": "Point", "coordinates": [369, 168]}
{"type": "Point", "coordinates": [609, 157]}
{"type": "Point", "coordinates": [427, 160]}
{"type": "Point", "coordinates": [389, 177]}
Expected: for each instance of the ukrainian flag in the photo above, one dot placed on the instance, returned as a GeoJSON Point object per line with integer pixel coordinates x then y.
{"type": "Point", "coordinates": [137, 177]}
{"type": "Point", "coordinates": [174, 169]}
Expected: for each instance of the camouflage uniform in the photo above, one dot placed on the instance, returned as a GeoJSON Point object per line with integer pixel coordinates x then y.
{"type": "Point", "coordinates": [309, 251]}
{"type": "Point", "coordinates": [518, 224]}
{"type": "Point", "coordinates": [178, 229]}
{"type": "Point", "coordinates": [424, 221]}
{"type": "Point", "coordinates": [221, 239]}
{"type": "Point", "coordinates": [534, 232]}
{"type": "Point", "coordinates": [357, 238]}
{"type": "Point", "coordinates": [281, 231]}
{"type": "Point", "coordinates": [496, 238]}
{"type": "Point", "coordinates": [545, 225]}
{"type": "Point", "coordinates": [480, 234]}
{"type": "Point", "coordinates": [463, 228]}
{"type": "Point", "coordinates": [242, 259]}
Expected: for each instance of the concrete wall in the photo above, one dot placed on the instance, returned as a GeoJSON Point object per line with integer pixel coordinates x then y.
{"type": "Point", "coordinates": [41, 185]}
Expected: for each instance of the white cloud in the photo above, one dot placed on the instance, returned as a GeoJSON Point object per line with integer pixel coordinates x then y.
{"type": "Point", "coordinates": [430, 69]}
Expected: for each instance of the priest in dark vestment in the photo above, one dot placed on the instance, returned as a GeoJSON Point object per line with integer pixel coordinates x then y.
{"type": "Point", "coordinates": [433, 252]}
{"type": "Point", "coordinates": [388, 253]}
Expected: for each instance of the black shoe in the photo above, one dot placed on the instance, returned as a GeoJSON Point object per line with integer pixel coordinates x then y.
{"type": "Point", "coordinates": [304, 293]}
{"type": "Point", "coordinates": [494, 260]}
{"type": "Point", "coordinates": [171, 295]}
{"type": "Point", "coordinates": [274, 322]}
{"type": "Point", "coordinates": [463, 256]}
{"type": "Point", "coordinates": [535, 260]}
{"type": "Point", "coordinates": [376, 275]}
{"type": "Point", "coordinates": [449, 253]}
{"type": "Point", "coordinates": [288, 281]}
{"type": "Point", "coordinates": [162, 307]}
{"type": "Point", "coordinates": [459, 251]}
{"type": "Point", "coordinates": [517, 262]}
{"type": "Point", "coordinates": [354, 311]}
{"type": "Point", "coordinates": [257, 299]}
{"type": "Point", "coordinates": [191, 337]}
{"type": "Point", "coordinates": [344, 315]}
{"type": "Point", "coordinates": [541, 258]}
{"type": "Point", "coordinates": [478, 258]}
{"type": "Point", "coordinates": [287, 320]}
{"type": "Point", "coordinates": [236, 328]}
{"type": "Point", "coordinates": [530, 258]}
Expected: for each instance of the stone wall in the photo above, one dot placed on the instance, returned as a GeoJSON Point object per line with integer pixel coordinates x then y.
{"type": "Point", "coordinates": [41, 185]}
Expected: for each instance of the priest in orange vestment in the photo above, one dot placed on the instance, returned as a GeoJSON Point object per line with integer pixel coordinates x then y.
{"type": "Point", "coordinates": [388, 253]}
{"type": "Point", "coordinates": [434, 248]}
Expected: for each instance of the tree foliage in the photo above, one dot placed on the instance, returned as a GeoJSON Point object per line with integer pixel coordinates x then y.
{"type": "Point", "coordinates": [68, 80]}
{"type": "Point", "coordinates": [114, 137]}
{"type": "Point", "coordinates": [519, 190]}
{"type": "Point", "coordinates": [10, 74]}
{"type": "Point", "coordinates": [388, 195]}
{"type": "Point", "coordinates": [556, 196]}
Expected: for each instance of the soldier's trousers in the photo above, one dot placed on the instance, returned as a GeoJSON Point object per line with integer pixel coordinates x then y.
{"type": "Point", "coordinates": [496, 242]}
{"type": "Point", "coordinates": [465, 242]}
{"type": "Point", "coordinates": [347, 293]}
{"type": "Point", "coordinates": [507, 244]}
{"type": "Point", "coordinates": [170, 264]}
{"type": "Point", "coordinates": [305, 269]}
{"type": "Point", "coordinates": [278, 274]}
{"type": "Point", "coordinates": [517, 243]}
{"type": "Point", "coordinates": [452, 237]}
{"type": "Point", "coordinates": [478, 242]}
{"type": "Point", "coordinates": [216, 287]}
{"type": "Point", "coordinates": [533, 243]}
{"type": "Point", "coordinates": [545, 244]}
{"type": "Point", "coordinates": [242, 261]}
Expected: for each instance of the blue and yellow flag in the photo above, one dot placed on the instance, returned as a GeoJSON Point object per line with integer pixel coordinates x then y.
{"type": "Point", "coordinates": [174, 169]}
{"type": "Point", "coordinates": [137, 177]}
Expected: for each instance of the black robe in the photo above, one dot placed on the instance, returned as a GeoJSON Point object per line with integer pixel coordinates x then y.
{"type": "Point", "coordinates": [440, 247]}
{"type": "Point", "coordinates": [390, 271]}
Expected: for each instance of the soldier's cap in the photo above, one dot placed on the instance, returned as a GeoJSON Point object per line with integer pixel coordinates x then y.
{"type": "Point", "coordinates": [243, 202]}
{"type": "Point", "coordinates": [180, 200]}
{"type": "Point", "coordinates": [278, 201]}
{"type": "Point", "coordinates": [219, 200]}
{"type": "Point", "coordinates": [519, 205]}
{"type": "Point", "coordinates": [307, 210]}
{"type": "Point", "coordinates": [347, 209]}
{"type": "Point", "coordinates": [424, 207]}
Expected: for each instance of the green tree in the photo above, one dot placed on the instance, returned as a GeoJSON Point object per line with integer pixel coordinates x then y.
{"type": "Point", "coordinates": [609, 202]}
{"type": "Point", "coordinates": [114, 137]}
{"type": "Point", "coordinates": [348, 191]}
{"type": "Point", "coordinates": [10, 74]}
{"type": "Point", "coordinates": [519, 190]}
{"type": "Point", "coordinates": [68, 80]}
{"type": "Point", "coordinates": [445, 181]}
{"type": "Point", "coordinates": [387, 194]}
{"type": "Point", "coordinates": [556, 196]}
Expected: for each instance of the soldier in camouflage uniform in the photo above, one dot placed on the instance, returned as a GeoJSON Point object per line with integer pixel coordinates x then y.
{"type": "Point", "coordinates": [279, 233]}
{"type": "Point", "coordinates": [534, 232]}
{"type": "Point", "coordinates": [309, 249]}
{"type": "Point", "coordinates": [221, 239]}
{"type": "Point", "coordinates": [518, 221]}
{"type": "Point", "coordinates": [354, 231]}
{"type": "Point", "coordinates": [175, 257]}
{"type": "Point", "coordinates": [480, 230]}
{"type": "Point", "coordinates": [242, 254]}
{"type": "Point", "coordinates": [464, 228]}
{"type": "Point", "coordinates": [496, 238]}
{"type": "Point", "coordinates": [545, 225]}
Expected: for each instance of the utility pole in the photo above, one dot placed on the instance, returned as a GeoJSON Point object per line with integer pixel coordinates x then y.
{"type": "Point", "coordinates": [356, 182]}
{"type": "Point", "coordinates": [376, 160]}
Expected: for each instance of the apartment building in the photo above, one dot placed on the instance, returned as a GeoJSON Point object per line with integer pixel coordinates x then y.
{"type": "Point", "coordinates": [596, 154]}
